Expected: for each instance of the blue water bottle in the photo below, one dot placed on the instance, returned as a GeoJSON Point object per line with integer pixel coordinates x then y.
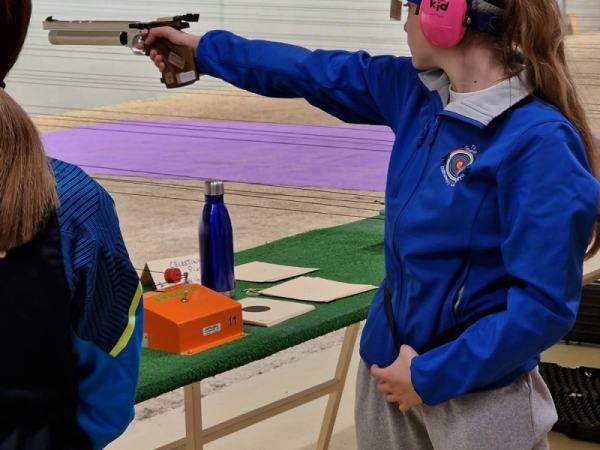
{"type": "Point", "coordinates": [216, 242]}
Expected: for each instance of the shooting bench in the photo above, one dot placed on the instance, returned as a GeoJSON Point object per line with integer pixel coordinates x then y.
{"type": "Point", "coordinates": [347, 253]}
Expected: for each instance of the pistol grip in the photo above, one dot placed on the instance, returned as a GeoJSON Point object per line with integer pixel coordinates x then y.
{"type": "Point", "coordinates": [180, 63]}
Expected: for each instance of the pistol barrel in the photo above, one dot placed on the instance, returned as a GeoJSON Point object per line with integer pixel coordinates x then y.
{"type": "Point", "coordinates": [86, 25]}
{"type": "Point", "coordinates": [107, 38]}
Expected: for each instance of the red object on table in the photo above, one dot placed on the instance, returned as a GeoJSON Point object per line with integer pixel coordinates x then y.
{"type": "Point", "coordinates": [173, 275]}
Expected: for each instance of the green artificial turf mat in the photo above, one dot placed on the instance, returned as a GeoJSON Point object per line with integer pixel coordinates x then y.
{"type": "Point", "coordinates": [351, 253]}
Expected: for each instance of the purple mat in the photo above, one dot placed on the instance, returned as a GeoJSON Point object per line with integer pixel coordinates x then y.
{"type": "Point", "coordinates": [295, 155]}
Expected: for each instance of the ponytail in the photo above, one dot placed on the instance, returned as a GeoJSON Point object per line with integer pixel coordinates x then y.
{"type": "Point", "coordinates": [533, 40]}
{"type": "Point", "coordinates": [27, 186]}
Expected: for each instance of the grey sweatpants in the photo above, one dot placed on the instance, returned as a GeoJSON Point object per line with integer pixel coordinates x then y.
{"type": "Point", "coordinates": [517, 417]}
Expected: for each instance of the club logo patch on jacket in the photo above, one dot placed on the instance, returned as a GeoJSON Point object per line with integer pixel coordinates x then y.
{"type": "Point", "coordinates": [455, 165]}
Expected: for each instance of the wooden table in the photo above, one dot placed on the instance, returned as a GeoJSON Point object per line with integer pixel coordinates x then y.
{"type": "Point", "coordinates": [349, 253]}
{"type": "Point", "coordinates": [197, 436]}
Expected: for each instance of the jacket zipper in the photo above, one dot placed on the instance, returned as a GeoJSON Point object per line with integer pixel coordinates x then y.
{"type": "Point", "coordinates": [402, 298]}
{"type": "Point", "coordinates": [419, 144]}
{"type": "Point", "coordinates": [434, 132]}
{"type": "Point", "coordinates": [431, 142]}
{"type": "Point", "coordinates": [423, 135]}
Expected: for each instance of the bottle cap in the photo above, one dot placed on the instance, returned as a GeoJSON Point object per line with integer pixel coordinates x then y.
{"type": "Point", "coordinates": [212, 187]}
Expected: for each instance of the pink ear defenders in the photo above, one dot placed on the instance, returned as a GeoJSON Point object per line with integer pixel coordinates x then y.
{"type": "Point", "coordinates": [444, 22]}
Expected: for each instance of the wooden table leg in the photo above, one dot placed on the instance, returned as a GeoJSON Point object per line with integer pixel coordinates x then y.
{"type": "Point", "coordinates": [196, 437]}
{"type": "Point", "coordinates": [335, 397]}
{"type": "Point", "coordinates": [193, 417]}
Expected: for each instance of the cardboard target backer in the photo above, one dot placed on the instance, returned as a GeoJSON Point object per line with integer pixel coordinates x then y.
{"type": "Point", "coordinates": [316, 289]}
{"type": "Point", "coordinates": [153, 273]}
{"type": "Point", "coordinates": [267, 312]}
{"type": "Point", "coordinates": [262, 272]}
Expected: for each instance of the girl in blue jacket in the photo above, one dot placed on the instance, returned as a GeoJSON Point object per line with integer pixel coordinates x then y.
{"type": "Point", "coordinates": [491, 208]}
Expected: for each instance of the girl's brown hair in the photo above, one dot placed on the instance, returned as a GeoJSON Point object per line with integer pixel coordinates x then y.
{"type": "Point", "coordinates": [27, 186]}
{"type": "Point", "coordinates": [533, 40]}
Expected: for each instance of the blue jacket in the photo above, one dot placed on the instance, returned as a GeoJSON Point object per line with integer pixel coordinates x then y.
{"type": "Point", "coordinates": [489, 202]}
{"type": "Point", "coordinates": [71, 327]}
{"type": "Point", "coordinates": [106, 294]}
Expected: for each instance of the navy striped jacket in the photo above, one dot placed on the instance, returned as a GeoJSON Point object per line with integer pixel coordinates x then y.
{"type": "Point", "coordinates": [70, 326]}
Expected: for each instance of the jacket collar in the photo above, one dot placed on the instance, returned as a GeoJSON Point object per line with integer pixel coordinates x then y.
{"type": "Point", "coordinates": [482, 107]}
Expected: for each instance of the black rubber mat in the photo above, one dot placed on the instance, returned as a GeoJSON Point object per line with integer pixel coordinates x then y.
{"type": "Point", "coordinates": [576, 394]}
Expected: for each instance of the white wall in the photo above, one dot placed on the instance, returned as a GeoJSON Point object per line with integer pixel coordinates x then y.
{"type": "Point", "coordinates": [588, 13]}
{"type": "Point", "coordinates": [51, 79]}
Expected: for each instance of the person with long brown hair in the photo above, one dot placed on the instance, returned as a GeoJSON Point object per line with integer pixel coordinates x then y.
{"type": "Point", "coordinates": [491, 208]}
{"type": "Point", "coordinates": [70, 299]}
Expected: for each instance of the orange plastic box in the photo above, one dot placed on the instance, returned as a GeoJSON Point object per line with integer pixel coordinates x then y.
{"type": "Point", "coordinates": [189, 318]}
